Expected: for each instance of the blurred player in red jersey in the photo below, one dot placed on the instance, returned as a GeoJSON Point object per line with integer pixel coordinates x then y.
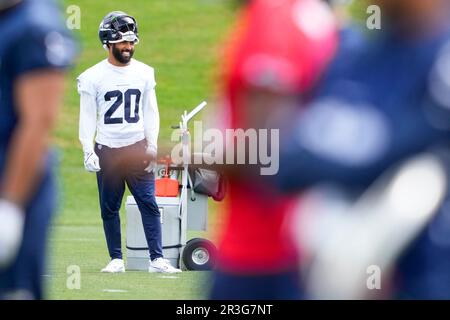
{"type": "Point", "coordinates": [278, 51]}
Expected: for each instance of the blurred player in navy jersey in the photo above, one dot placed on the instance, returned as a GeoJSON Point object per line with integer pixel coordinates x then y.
{"type": "Point", "coordinates": [274, 58]}
{"type": "Point", "coordinates": [386, 98]}
{"type": "Point", "coordinates": [34, 52]}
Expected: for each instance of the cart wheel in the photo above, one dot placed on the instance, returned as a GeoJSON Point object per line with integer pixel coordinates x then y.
{"type": "Point", "coordinates": [199, 254]}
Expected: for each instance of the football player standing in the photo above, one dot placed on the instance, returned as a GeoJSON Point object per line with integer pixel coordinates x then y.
{"type": "Point", "coordinates": [118, 106]}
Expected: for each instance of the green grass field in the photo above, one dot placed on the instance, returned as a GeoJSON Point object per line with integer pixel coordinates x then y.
{"type": "Point", "coordinates": [181, 40]}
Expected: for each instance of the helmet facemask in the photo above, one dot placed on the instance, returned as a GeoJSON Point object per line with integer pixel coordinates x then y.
{"type": "Point", "coordinates": [126, 29]}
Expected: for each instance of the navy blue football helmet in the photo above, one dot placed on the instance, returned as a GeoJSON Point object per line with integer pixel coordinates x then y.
{"type": "Point", "coordinates": [117, 26]}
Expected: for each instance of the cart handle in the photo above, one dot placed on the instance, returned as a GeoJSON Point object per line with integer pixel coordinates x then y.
{"type": "Point", "coordinates": [191, 114]}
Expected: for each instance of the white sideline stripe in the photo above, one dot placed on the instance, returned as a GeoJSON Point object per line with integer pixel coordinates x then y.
{"type": "Point", "coordinates": [168, 277]}
{"type": "Point", "coordinates": [114, 290]}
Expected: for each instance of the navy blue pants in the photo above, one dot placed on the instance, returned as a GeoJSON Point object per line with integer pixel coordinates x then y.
{"type": "Point", "coordinates": [120, 166]}
{"type": "Point", "coordinates": [23, 279]}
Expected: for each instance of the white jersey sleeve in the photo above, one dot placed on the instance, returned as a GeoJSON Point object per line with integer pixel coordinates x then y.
{"type": "Point", "coordinates": [86, 84]}
{"type": "Point", "coordinates": [151, 114]}
{"type": "Point", "coordinates": [88, 121]}
{"type": "Point", "coordinates": [88, 110]}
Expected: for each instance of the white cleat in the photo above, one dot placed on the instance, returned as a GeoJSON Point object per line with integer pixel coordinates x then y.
{"type": "Point", "coordinates": [162, 265]}
{"type": "Point", "coordinates": [115, 266]}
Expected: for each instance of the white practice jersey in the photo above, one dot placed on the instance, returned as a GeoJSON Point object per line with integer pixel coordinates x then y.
{"type": "Point", "coordinates": [125, 105]}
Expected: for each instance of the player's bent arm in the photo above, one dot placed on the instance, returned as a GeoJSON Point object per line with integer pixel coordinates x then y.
{"type": "Point", "coordinates": [151, 119]}
{"type": "Point", "coordinates": [88, 121]}
{"type": "Point", "coordinates": [38, 96]}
